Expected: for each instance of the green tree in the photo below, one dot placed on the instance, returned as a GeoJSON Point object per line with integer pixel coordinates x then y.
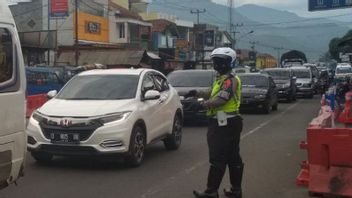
{"type": "Point", "coordinates": [334, 49]}
{"type": "Point", "coordinates": [338, 45]}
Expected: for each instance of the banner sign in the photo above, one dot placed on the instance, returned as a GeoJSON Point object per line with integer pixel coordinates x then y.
{"type": "Point", "coordinates": [59, 8]}
{"type": "Point", "coordinates": [319, 5]}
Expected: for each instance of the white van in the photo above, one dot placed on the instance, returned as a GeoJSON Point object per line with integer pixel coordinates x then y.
{"type": "Point", "coordinates": [12, 100]}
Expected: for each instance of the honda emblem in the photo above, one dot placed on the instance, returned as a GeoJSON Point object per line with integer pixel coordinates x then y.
{"type": "Point", "coordinates": [66, 122]}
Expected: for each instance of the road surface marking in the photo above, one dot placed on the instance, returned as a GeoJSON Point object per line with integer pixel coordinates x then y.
{"type": "Point", "coordinates": [267, 122]}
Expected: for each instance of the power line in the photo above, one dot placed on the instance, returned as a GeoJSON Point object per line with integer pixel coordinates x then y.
{"type": "Point", "coordinates": [296, 21]}
{"type": "Point", "coordinates": [198, 12]}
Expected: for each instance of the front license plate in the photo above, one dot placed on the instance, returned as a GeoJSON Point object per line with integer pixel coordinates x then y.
{"type": "Point", "coordinates": [64, 138]}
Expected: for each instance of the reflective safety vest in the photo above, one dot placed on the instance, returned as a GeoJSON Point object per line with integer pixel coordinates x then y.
{"type": "Point", "coordinates": [233, 105]}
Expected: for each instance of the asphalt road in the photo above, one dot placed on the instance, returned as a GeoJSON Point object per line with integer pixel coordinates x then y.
{"type": "Point", "coordinates": [269, 148]}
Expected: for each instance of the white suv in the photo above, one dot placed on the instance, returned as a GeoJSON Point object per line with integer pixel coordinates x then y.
{"type": "Point", "coordinates": [107, 112]}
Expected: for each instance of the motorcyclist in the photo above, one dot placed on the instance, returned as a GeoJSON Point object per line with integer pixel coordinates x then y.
{"type": "Point", "coordinates": [225, 126]}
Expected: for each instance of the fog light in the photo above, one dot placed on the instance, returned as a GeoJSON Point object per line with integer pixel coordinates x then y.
{"type": "Point", "coordinates": [31, 140]}
{"type": "Point", "coordinates": [111, 143]}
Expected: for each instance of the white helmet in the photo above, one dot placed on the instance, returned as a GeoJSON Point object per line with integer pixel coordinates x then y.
{"type": "Point", "coordinates": [224, 52]}
{"type": "Point", "coordinates": [223, 59]}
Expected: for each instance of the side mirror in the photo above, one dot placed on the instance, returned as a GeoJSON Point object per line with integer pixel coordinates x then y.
{"type": "Point", "coordinates": [294, 78]}
{"type": "Point", "coordinates": [51, 94]}
{"type": "Point", "coordinates": [151, 95]}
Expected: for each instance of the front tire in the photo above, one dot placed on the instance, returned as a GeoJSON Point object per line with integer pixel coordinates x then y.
{"type": "Point", "coordinates": [267, 109]}
{"type": "Point", "coordinates": [275, 107]}
{"type": "Point", "coordinates": [137, 147]}
{"type": "Point", "coordinates": [173, 141]}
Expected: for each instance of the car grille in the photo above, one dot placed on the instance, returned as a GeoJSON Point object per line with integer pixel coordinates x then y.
{"type": "Point", "coordinates": [84, 131]}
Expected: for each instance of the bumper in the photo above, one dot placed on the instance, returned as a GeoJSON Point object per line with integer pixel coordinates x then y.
{"type": "Point", "coordinates": [108, 139]}
{"type": "Point", "coordinates": [305, 91]}
{"type": "Point", "coordinates": [253, 104]}
{"type": "Point", "coordinates": [284, 93]}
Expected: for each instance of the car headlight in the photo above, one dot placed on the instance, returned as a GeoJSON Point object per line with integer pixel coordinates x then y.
{"type": "Point", "coordinates": [261, 96]}
{"type": "Point", "coordinates": [285, 86]}
{"type": "Point", "coordinates": [38, 116]}
{"type": "Point", "coordinates": [115, 117]}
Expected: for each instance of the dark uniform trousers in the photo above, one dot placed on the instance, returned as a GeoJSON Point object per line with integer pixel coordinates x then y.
{"type": "Point", "coordinates": [224, 150]}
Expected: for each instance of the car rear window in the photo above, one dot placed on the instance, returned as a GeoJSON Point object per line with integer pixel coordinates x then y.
{"type": "Point", "coordinates": [278, 74]}
{"type": "Point", "coordinates": [343, 70]}
{"type": "Point", "coordinates": [254, 81]}
{"type": "Point", "coordinates": [191, 79]}
{"type": "Point", "coordinates": [302, 73]}
{"type": "Point", "coordinates": [100, 87]}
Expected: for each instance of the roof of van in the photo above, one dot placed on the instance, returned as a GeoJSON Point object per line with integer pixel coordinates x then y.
{"type": "Point", "coordinates": [5, 13]}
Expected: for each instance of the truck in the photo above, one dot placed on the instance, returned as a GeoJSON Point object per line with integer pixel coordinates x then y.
{"type": "Point", "coordinates": [293, 58]}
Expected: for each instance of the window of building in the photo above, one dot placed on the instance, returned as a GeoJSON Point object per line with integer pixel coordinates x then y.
{"type": "Point", "coordinates": [6, 56]}
{"type": "Point", "coordinates": [121, 28]}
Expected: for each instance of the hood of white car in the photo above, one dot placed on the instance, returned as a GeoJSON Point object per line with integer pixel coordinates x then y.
{"type": "Point", "coordinates": [85, 108]}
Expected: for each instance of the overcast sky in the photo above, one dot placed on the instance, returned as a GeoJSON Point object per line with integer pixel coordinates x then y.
{"type": "Point", "coordinates": [299, 7]}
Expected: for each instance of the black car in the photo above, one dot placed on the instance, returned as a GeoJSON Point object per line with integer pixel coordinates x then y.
{"type": "Point", "coordinates": [285, 82]}
{"type": "Point", "coordinates": [258, 92]}
{"type": "Point", "coordinates": [193, 86]}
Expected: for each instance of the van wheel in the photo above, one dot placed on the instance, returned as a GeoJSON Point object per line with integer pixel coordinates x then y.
{"type": "Point", "coordinates": [137, 147]}
{"type": "Point", "coordinates": [42, 157]}
{"type": "Point", "coordinates": [173, 141]}
{"type": "Point", "coordinates": [267, 109]}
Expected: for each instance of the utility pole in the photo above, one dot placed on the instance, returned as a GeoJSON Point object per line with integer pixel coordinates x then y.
{"type": "Point", "coordinates": [49, 35]}
{"type": "Point", "coordinates": [278, 49]}
{"type": "Point", "coordinates": [76, 33]}
{"type": "Point", "coordinates": [234, 33]}
{"type": "Point", "coordinates": [198, 12]}
{"type": "Point", "coordinates": [230, 4]}
{"type": "Point", "coordinates": [253, 43]}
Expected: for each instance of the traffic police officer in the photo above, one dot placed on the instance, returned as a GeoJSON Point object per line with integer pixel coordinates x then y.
{"type": "Point", "coordinates": [225, 126]}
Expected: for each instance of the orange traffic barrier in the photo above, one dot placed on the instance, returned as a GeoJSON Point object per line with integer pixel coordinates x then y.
{"type": "Point", "coordinates": [328, 170]}
{"type": "Point", "coordinates": [346, 115]}
{"type": "Point", "coordinates": [34, 102]}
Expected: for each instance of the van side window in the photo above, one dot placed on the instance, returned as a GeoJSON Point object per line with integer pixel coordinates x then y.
{"type": "Point", "coordinates": [6, 56]}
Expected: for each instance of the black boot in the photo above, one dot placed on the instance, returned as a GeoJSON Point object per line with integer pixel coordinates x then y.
{"type": "Point", "coordinates": [214, 180]}
{"type": "Point", "coordinates": [236, 173]}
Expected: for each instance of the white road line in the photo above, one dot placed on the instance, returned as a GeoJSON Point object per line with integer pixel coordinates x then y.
{"type": "Point", "coordinates": [171, 180]}
{"type": "Point", "coordinates": [267, 122]}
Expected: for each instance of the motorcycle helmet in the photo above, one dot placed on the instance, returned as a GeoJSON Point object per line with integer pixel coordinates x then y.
{"type": "Point", "coordinates": [223, 58]}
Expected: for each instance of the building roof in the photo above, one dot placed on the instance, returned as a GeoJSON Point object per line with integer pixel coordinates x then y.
{"type": "Point", "coordinates": [265, 55]}
{"type": "Point", "coordinates": [5, 13]}
{"type": "Point", "coordinates": [161, 25]}
{"type": "Point", "coordinates": [105, 57]}
{"type": "Point", "coordinates": [123, 12]}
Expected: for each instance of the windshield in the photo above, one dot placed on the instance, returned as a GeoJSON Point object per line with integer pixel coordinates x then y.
{"type": "Point", "coordinates": [100, 87]}
{"type": "Point", "coordinates": [191, 79]}
{"type": "Point", "coordinates": [302, 74]}
{"type": "Point", "coordinates": [279, 74]}
{"type": "Point", "coordinates": [343, 70]}
{"type": "Point", "coordinates": [254, 81]}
